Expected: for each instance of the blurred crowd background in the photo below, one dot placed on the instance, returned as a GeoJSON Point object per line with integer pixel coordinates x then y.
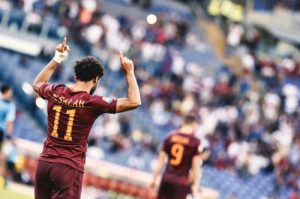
{"type": "Point", "coordinates": [238, 70]}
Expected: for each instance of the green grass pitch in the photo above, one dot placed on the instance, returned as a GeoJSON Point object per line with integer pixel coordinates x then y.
{"type": "Point", "coordinates": [9, 194]}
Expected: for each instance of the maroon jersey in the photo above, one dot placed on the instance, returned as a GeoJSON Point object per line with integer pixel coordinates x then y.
{"type": "Point", "coordinates": [180, 148]}
{"type": "Point", "coordinates": [70, 118]}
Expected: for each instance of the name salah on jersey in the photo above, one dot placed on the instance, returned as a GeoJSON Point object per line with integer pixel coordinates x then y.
{"type": "Point", "coordinates": [180, 139]}
{"type": "Point", "coordinates": [68, 102]}
{"type": "Point", "coordinates": [77, 103]}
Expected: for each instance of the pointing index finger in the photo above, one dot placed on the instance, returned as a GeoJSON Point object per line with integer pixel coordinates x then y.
{"type": "Point", "coordinates": [121, 54]}
{"type": "Point", "coordinates": [64, 44]}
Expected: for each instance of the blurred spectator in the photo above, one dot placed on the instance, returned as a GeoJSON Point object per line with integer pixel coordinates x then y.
{"type": "Point", "coordinates": [7, 117]}
{"type": "Point", "coordinates": [7, 113]}
{"type": "Point", "coordinates": [235, 34]}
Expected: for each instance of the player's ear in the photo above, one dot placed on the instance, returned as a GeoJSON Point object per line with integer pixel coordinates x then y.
{"type": "Point", "coordinates": [96, 80]}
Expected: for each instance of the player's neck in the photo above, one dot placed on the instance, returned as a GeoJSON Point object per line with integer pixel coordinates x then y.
{"type": "Point", "coordinates": [187, 129]}
{"type": "Point", "coordinates": [6, 98]}
{"type": "Point", "coordinates": [82, 86]}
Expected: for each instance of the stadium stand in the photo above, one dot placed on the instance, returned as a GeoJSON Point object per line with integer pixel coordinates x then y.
{"type": "Point", "coordinates": [251, 119]}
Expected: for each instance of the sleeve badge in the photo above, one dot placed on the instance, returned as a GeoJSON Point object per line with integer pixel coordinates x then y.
{"type": "Point", "coordinates": [107, 100]}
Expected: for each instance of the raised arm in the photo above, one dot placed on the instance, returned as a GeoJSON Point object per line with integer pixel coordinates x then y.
{"type": "Point", "coordinates": [44, 76]}
{"type": "Point", "coordinates": [133, 99]}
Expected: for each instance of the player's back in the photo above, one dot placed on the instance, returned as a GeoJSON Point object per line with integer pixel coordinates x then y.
{"type": "Point", "coordinates": [180, 148]}
{"type": "Point", "coordinates": [70, 118]}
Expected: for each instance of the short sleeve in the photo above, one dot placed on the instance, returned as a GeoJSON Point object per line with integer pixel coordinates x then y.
{"type": "Point", "coordinates": [45, 91]}
{"type": "Point", "coordinates": [11, 113]}
{"type": "Point", "coordinates": [165, 145]}
{"type": "Point", "coordinates": [106, 105]}
{"type": "Point", "coordinates": [198, 148]}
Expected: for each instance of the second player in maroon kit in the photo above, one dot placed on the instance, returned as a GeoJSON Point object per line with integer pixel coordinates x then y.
{"type": "Point", "coordinates": [181, 148]}
{"type": "Point", "coordinates": [72, 111]}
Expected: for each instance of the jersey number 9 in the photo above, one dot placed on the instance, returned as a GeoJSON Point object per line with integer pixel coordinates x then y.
{"type": "Point", "coordinates": [177, 154]}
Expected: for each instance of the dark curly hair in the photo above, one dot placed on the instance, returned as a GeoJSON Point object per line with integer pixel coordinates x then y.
{"type": "Point", "coordinates": [88, 68]}
{"type": "Point", "coordinates": [5, 88]}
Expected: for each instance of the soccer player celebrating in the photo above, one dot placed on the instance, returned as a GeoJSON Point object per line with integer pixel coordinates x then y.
{"type": "Point", "coordinates": [71, 113]}
{"type": "Point", "coordinates": [183, 151]}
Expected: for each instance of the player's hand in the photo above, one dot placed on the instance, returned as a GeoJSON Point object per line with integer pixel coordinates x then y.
{"type": "Point", "coordinates": [63, 46]}
{"type": "Point", "coordinates": [62, 51]}
{"type": "Point", "coordinates": [126, 63]}
{"type": "Point", "coordinates": [153, 184]}
{"type": "Point", "coordinates": [195, 192]}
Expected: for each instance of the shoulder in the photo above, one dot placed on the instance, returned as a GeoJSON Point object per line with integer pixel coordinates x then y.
{"type": "Point", "coordinates": [3, 105]}
{"type": "Point", "coordinates": [101, 102]}
{"type": "Point", "coordinates": [58, 86]}
{"type": "Point", "coordinates": [6, 104]}
{"type": "Point", "coordinates": [53, 87]}
{"type": "Point", "coordinates": [171, 133]}
{"type": "Point", "coordinates": [196, 140]}
{"type": "Point", "coordinates": [2, 102]}
{"type": "Point", "coordinates": [101, 99]}
{"type": "Point", "coordinates": [12, 105]}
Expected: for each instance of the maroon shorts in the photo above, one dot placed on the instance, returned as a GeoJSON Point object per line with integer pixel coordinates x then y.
{"type": "Point", "coordinates": [169, 190]}
{"type": "Point", "coordinates": [57, 181]}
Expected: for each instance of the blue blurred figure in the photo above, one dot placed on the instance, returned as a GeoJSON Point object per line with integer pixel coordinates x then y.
{"type": "Point", "coordinates": [7, 113]}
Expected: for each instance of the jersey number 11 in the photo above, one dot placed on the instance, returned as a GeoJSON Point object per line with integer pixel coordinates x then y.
{"type": "Point", "coordinates": [71, 113]}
